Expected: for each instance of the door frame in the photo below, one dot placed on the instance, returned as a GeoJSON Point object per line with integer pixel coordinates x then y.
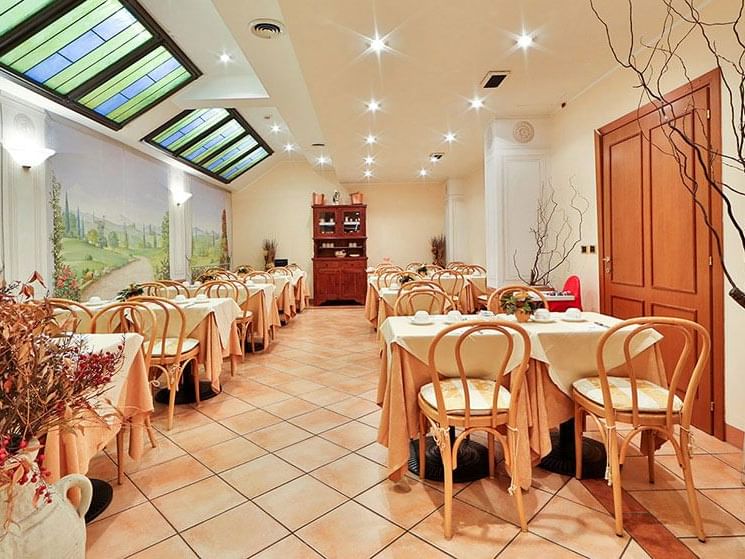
{"type": "Point", "coordinates": [711, 80]}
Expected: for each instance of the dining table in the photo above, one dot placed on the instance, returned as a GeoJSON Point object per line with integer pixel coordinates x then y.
{"type": "Point", "coordinates": [562, 351]}
{"type": "Point", "coordinates": [302, 292]}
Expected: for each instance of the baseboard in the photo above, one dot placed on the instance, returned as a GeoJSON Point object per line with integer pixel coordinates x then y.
{"type": "Point", "coordinates": [733, 435]}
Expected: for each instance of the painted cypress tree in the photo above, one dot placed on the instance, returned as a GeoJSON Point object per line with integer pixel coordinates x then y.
{"type": "Point", "coordinates": [225, 253]}
{"type": "Point", "coordinates": [78, 227]}
{"type": "Point", "coordinates": [68, 225]}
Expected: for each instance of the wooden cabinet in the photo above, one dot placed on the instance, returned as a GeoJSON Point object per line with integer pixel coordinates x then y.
{"type": "Point", "coordinates": [339, 253]}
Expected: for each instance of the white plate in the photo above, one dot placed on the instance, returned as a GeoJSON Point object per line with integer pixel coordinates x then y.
{"type": "Point", "coordinates": [580, 319]}
{"type": "Point", "coordinates": [421, 322]}
{"type": "Point", "coordinates": [542, 320]}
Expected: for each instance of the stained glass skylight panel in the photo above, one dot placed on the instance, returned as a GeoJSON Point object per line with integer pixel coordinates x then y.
{"type": "Point", "coordinates": [107, 58]}
{"type": "Point", "coordinates": [218, 142]}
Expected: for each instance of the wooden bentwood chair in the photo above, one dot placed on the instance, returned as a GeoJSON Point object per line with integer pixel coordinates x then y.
{"type": "Point", "coordinates": [238, 291]}
{"type": "Point", "coordinates": [431, 300]}
{"type": "Point", "coordinates": [420, 284]}
{"type": "Point", "coordinates": [494, 302]}
{"type": "Point", "coordinates": [453, 399]}
{"type": "Point", "coordinates": [74, 317]}
{"type": "Point", "coordinates": [648, 407]}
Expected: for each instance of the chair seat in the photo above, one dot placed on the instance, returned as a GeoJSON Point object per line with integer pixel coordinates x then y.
{"type": "Point", "coordinates": [248, 315]}
{"type": "Point", "coordinates": [172, 345]}
{"type": "Point", "coordinates": [651, 397]}
{"type": "Point", "coordinates": [480, 392]}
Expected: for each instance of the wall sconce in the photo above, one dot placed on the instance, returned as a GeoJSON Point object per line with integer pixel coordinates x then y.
{"type": "Point", "coordinates": [28, 157]}
{"type": "Point", "coordinates": [180, 197]}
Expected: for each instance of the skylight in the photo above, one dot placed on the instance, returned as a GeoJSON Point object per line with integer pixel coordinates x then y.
{"type": "Point", "coordinates": [104, 58]}
{"type": "Point", "coordinates": [217, 142]}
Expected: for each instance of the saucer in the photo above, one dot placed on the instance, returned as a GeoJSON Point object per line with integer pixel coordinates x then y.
{"type": "Point", "coordinates": [578, 319]}
{"type": "Point", "coordinates": [421, 322]}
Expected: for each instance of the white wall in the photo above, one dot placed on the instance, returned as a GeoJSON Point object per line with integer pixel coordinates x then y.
{"type": "Point", "coordinates": [572, 133]}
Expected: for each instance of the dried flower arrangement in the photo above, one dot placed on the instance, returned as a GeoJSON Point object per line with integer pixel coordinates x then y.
{"type": "Point", "coordinates": [132, 290]}
{"type": "Point", "coordinates": [46, 382]}
{"type": "Point", "coordinates": [269, 246]}
{"type": "Point", "coordinates": [520, 303]}
{"type": "Point", "coordinates": [438, 250]}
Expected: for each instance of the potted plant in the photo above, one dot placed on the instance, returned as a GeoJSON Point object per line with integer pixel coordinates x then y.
{"type": "Point", "coordinates": [46, 383]}
{"type": "Point", "coordinates": [269, 247]}
{"type": "Point", "coordinates": [132, 290]}
{"type": "Point", "coordinates": [519, 303]}
{"type": "Point", "coordinates": [438, 250]}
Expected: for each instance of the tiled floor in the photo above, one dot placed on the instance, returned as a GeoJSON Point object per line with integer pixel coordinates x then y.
{"type": "Point", "coordinates": [284, 464]}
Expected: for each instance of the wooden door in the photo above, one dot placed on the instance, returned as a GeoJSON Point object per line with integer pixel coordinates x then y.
{"type": "Point", "coordinates": [656, 252]}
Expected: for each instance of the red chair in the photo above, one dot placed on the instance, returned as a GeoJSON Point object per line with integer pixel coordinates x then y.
{"type": "Point", "coordinates": [571, 285]}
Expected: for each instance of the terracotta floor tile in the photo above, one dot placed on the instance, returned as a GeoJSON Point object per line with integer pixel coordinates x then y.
{"type": "Point", "coordinates": [353, 435]}
{"type": "Point", "coordinates": [292, 407]}
{"type": "Point", "coordinates": [324, 396]}
{"type": "Point", "coordinates": [235, 534]}
{"type": "Point", "coordinates": [260, 395]}
{"type": "Point", "coordinates": [731, 500]}
{"type": "Point", "coordinates": [291, 547]}
{"type": "Point", "coordinates": [371, 419]}
{"type": "Point", "coordinates": [184, 420]}
{"type": "Point", "coordinates": [408, 546]}
{"type": "Point", "coordinates": [224, 406]}
{"type": "Point", "coordinates": [405, 502]}
{"type": "Point", "coordinates": [102, 466]}
{"type": "Point", "coordinates": [713, 445]}
{"type": "Point", "coordinates": [319, 420]}
{"type": "Point", "coordinates": [353, 407]}
{"type": "Point", "coordinates": [202, 437]}
{"type": "Point", "coordinates": [172, 548]}
{"type": "Point", "coordinates": [717, 548]}
{"type": "Point", "coordinates": [708, 472]}
{"type": "Point", "coordinates": [635, 551]}
{"type": "Point", "coordinates": [349, 531]}
{"type": "Point", "coordinates": [476, 534]}
{"type": "Point", "coordinates": [299, 501]}
{"type": "Point", "coordinates": [169, 476]}
{"type": "Point", "coordinates": [278, 436]}
{"type": "Point", "coordinates": [165, 451]}
{"type": "Point", "coordinates": [123, 534]}
{"type": "Point", "coordinates": [351, 475]}
{"type": "Point", "coordinates": [671, 508]}
{"type": "Point", "coordinates": [125, 496]}
{"type": "Point", "coordinates": [260, 475]}
{"type": "Point", "coordinates": [250, 421]}
{"type": "Point", "coordinates": [299, 386]}
{"type": "Point", "coordinates": [530, 545]}
{"type": "Point", "coordinates": [375, 452]}
{"type": "Point", "coordinates": [575, 491]}
{"type": "Point", "coordinates": [491, 496]}
{"type": "Point", "coordinates": [579, 528]}
{"type": "Point", "coordinates": [312, 453]}
{"type": "Point", "coordinates": [635, 474]}
{"type": "Point", "coordinates": [195, 503]}
{"type": "Point", "coordinates": [229, 454]}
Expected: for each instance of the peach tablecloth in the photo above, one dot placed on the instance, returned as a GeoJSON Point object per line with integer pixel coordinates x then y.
{"type": "Point", "coordinates": [302, 293]}
{"type": "Point", "coordinates": [263, 305]}
{"type": "Point", "coordinates": [128, 398]}
{"type": "Point", "coordinates": [371, 303]}
{"type": "Point", "coordinates": [545, 400]}
{"type": "Point", "coordinates": [285, 293]}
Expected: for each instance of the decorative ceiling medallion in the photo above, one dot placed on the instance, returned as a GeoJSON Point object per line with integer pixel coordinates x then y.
{"type": "Point", "coordinates": [523, 132]}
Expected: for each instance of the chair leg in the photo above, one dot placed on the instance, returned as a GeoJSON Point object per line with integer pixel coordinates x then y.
{"type": "Point", "coordinates": [197, 395]}
{"type": "Point", "coordinates": [120, 456]}
{"type": "Point", "coordinates": [150, 432]}
{"type": "Point", "coordinates": [490, 449]}
{"type": "Point", "coordinates": [422, 446]}
{"type": "Point", "coordinates": [650, 454]}
{"type": "Point", "coordinates": [253, 342]}
{"type": "Point", "coordinates": [579, 427]}
{"type": "Point", "coordinates": [612, 449]}
{"type": "Point", "coordinates": [447, 463]}
{"type": "Point", "coordinates": [690, 488]}
{"type": "Point", "coordinates": [512, 443]}
{"type": "Point", "coordinates": [171, 404]}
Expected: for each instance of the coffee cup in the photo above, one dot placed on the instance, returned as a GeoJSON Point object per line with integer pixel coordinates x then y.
{"type": "Point", "coordinates": [201, 296]}
{"type": "Point", "coordinates": [542, 314]}
{"type": "Point", "coordinates": [573, 313]}
{"type": "Point", "coordinates": [179, 298]}
{"type": "Point", "coordinates": [421, 316]}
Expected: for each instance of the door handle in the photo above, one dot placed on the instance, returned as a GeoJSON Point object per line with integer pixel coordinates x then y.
{"type": "Point", "coordinates": [607, 261]}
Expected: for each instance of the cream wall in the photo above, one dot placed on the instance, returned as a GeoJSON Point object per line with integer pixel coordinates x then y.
{"type": "Point", "coordinates": [473, 204]}
{"type": "Point", "coordinates": [573, 131]}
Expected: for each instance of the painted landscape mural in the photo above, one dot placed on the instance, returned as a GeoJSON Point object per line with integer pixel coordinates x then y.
{"type": "Point", "coordinates": [209, 233]}
{"type": "Point", "coordinates": [110, 215]}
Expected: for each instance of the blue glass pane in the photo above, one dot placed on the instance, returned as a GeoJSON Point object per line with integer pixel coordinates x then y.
{"type": "Point", "coordinates": [111, 104]}
{"type": "Point", "coordinates": [48, 67]}
{"type": "Point", "coordinates": [165, 68]}
{"type": "Point", "coordinates": [137, 87]}
{"type": "Point", "coordinates": [114, 24]}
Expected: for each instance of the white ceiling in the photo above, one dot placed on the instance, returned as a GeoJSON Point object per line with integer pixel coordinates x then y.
{"type": "Point", "coordinates": [315, 79]}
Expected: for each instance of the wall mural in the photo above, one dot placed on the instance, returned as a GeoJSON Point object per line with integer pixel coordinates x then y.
{"type": "Point", "coordinates": [209, 232]}
{"type": "Point", "coordinates": [110, 215]}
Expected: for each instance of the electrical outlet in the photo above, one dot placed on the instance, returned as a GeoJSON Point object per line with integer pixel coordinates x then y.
{"type": "Point", "coordinates": [592, 249]}
{"type": "Point", "coordinates": [583, 249]}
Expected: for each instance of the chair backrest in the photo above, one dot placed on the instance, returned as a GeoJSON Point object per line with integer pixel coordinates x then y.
{"type": "Point", "coordinates": [219, 288]}
{"type": "Point", "coordinates": [430, 300]}
{"type": "Point", "coordinates": [293, 267]}
{"type": "Point", "coordinates": [494, 303]}
{"type": "Point", "coordinates": [242, 295]}
{"type": "Point", "coordinates": [243, 269]}
{"type": "Point", "coordinates": [471, 269]}
{"type": "Point", "coordinates": [407, 276]}
{"type": "Point", "coordinates": [387, 278]}
{"type": "Point", "coordinates": [380, 268]}
{"type": "Point", "coordinates": [420, 284]}
{"type": "Point", "coordinates": [260, 277]}
{"type": "Point", "coordinates": [414, 266]}
{"type": "Point", "coordinates": [452, 281]}
{"type": "Point", "coordinates": [430, 269]}
{"type": "Point", "coordinates": [690, 362]}
{"type": "Point", "coordinates": [128, 316]}
{"type": "Point", "coordinates": [79, 319]}
{"type": "Point", "coordinates": [455, 264]}
{"type": "Point", "coordinates": [280, 271]}
{"type": "Point", "coordinates": [154, 289]}
{"type": "Point", "coordinates": [505, 349]}
{"type": "Point", "coordinates": [179, 287]}
{"type": "Point", "coordinates": [170, 323]}
{"type": "Point", "coordinates": [573, 285]}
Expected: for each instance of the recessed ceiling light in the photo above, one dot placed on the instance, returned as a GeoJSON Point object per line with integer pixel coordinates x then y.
{"type": "Point", "coordinates": [378, 44]}
{"type": "Point", "coordinates": [423, 172]}
{"type": "Point", "coordinates": [323, 160]}
{"type": "Point", "coordinates": [225, 58]}
{"type": "Point", "coordinates": [373, 105]}
{"type": "Point", "coordinates": [289, 147]}
{"type": "Point", "coordinates": [369, 160]}
{"type": "Point", "coordinates": [524, 41]}
{"type": "Point", "coordinates": [449, 137]}
{"type": "Point", "coordinates": [370, 139]}
{"type": "Point", "coordinates": [368, 173]}
{"type": "Point", "coordinates": [477, 103]}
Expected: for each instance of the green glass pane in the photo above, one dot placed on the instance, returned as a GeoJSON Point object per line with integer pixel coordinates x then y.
{"type": "Point", "coordinates": [15, 12]}
{"type": "Point", "coordinates": [230, 154]}
{"type": "Point", "coordinates": [245, 164]}
{"type": "Point", "coordinates": [150, 96]}
{"type": "Point", "coordinates": [209, 120]}
{"type": "Point", "coordinates": [180, 123]}
{"type": "Point", "coordinates": [213, 142]}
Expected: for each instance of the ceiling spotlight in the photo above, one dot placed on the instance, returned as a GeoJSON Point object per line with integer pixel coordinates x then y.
{"type": "Point", "coordinates": [377, 44]}
{"type": "Point", "coordinates": [450, 137]}
{"type": "Point", "coordinates": [524, 41]}
{"type": "Point", "coordinates": [477, 103]}
{"type": "Point", "coordinates": [289, 147]}
{"type": "Point", "coordinates": [225, 58]}
{"type": "Point", "coordinates": [373, 105]}
{"type": "Point", "coordinates": [275, 128]}
{"type": "Point", "coordinates": [370, 139]}
{"type": "Point", "coordinates": [323, 160]}
{"type": "Point", "coordinates": [369, 160]}
{"type": "Point", "coordinates": [367, 174]}
{"type": "Point", "coordinates": [423, 172]}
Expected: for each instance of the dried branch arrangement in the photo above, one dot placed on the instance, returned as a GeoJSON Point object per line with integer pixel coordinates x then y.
{"type": "Point", "coordinates": [653, 62]}
{"type": "Point", "coordinates": [438, 243]}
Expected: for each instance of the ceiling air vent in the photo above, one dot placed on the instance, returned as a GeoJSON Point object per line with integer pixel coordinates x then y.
{"type": "Point", "coordinates": [318, 145]}
{"type": "Point", "coordinates": [493, 80]}
{"type": "Point", "coordinates": [267, 28]}
{"type": "Point", "coordinates": [436, 156]}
